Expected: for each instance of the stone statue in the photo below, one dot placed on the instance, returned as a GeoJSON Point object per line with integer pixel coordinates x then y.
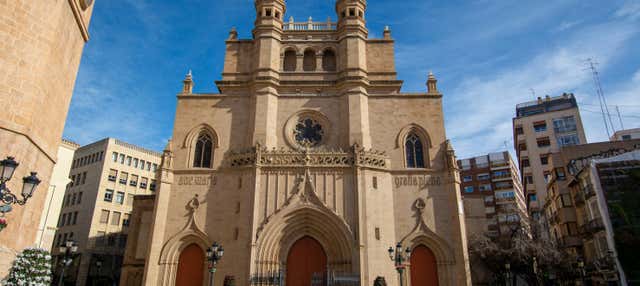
{"type": "Point", "coordinates": [379, 281]}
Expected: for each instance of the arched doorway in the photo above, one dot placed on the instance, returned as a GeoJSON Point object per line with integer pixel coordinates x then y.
{"type": "Point", "coordinates": [191, 266]}
{"type": "Point", "coordinates": [424, 269]}
{"type": "Point", "coordinates": [305, 258]}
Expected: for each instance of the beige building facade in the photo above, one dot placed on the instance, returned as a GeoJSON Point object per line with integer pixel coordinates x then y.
{"type": "Point", "coordinates": [540, 128]}
{"type": "Point", "coordinates": [105, 176]}
{"type": "Point", "coordinates": [41, 44]}
{"type": "Point", "coordinates": [307, 165]}
{"type": "Point", "coordinates": [55, 194]}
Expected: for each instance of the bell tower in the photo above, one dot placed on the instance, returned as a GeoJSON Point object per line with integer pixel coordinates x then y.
{"type": "Point", "coordinates": [352, 36]}
{"type": "Point", "coordinates": [267, 35]}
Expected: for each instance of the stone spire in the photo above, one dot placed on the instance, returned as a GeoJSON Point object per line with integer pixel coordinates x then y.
{"type": "Point", "coordinates": [386, 34]}
{"type": "Point", "coordinates": [432, 88]}
{"type": "Point", "coordinates": [187, 84]}
{"type": "Point", "coordinates": [233, 34]}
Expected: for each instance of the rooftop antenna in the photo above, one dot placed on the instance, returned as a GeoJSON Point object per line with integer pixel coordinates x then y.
{"type": "Point", "coordinates": [604, 108]}
{"type": "Point", "coordinates": [619, 117]}
{"type": "Point", "coordinates": [533, 92]}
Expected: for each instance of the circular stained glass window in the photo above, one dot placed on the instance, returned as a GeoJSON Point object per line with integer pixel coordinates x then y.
{"type": "Point", "coordinates": [308, 132]}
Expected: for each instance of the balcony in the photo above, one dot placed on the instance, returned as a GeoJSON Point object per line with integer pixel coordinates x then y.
{"type": "Point", "coordinates": [588, 191]}
{"type": "Point", "coordinates": [152, 187]}
{"type": "Point", "coordinates": [569, 241]}
{"type": "Point", "coordinates": [310, 25]}
{"type": "Point", "coordinates": [592, 227]}
{"type": "Point", "coordinates": [502, 176]}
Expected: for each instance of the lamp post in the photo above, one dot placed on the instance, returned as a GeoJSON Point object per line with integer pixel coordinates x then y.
{"type": "Point", "coordinates": [98, 267]}
{"type": "Point", "coordinates": [581, 271]}
{"type": "Point", "coordinates": [29, 184]}
{"type": "Point", "coordinates": [507, 274]}
{"type": "Point", "coordinates": [399, 257]}
{"type": "Point", "coordinates": [68, 250]}
{"type": "Point", "coordinates": [214, 254]}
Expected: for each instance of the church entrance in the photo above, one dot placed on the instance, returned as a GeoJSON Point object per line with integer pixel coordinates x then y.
{"type": "Point", "coordinates": [424, 271]}
{"type": "Point", "coordinates": [306, 263]}
{"type": "Point", "coordinates": [191, 266]}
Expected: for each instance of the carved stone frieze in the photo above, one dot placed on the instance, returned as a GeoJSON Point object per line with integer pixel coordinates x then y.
{"type": "Point", "coordinates": [316, 158]}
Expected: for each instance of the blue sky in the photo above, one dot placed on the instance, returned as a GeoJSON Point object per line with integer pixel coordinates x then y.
{"type": "Point", "coordinates": [488, 55]}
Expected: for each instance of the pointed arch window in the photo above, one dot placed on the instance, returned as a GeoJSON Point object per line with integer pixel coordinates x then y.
{"type": "Point", "coordinates": [414, 151]}
{"type": "Point", "coordinates": [203, 154]}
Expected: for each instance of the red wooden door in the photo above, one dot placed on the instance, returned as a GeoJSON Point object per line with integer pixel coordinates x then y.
{"type": "Point", "coordinates": [305, 258]}
{"type": "Point", "coordinates": [191, 267]}
{"type": "Point", "coordinates": [424, 271]}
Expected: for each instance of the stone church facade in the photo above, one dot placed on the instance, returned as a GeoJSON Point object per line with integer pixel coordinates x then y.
{"type": "Point", "coordinates": [306, 167]}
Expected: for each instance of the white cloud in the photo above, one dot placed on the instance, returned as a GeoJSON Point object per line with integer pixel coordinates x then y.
{"type": "Point", "coordinates": [566, 25]}
{"type": "Point", "coordinates": [483, 106]}
{"type": "Point", "coordinates": [630, 9]}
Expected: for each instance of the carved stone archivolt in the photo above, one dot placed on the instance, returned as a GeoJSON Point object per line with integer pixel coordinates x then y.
{"type": "Point", "coordinates": [317, 157]}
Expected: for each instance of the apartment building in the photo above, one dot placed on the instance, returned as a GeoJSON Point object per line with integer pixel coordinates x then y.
{"type": "Point", "coordinates": [492, 194]}
{"type": "Point", "coordinates": [540, 128]}
{"type": "Point", "coordinates": [586, 205]}
{"type": "Point", "coordinates": [105, 176]}
{"type": "Point", "coordinates": [56, 194]}
{"type": "Point", "coordinates": [627, 134]}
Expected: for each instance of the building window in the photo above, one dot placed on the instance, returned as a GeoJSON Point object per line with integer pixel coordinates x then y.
{"type": "Point", "coordinates": [104, 216]}
{"type": "Point", "coordinates": [468, 189]}
{"type": "Point", "coordinates": [525, 162]}
{"type": "Point", "coordinates": [522, 146]}
{"type": "Point", "coordinates": [290, 60]}
{"type": "Point", "coordinates": [309, 61]}
{"type": "Point", "coordinates": [121, 158]}
{"type": "Point", "coordinates": [544, 159]}
{"type": "Point", "coordinates": [63, 219]}
{"type": "Point", "coordinates": [125, 220]}
{"type": "Point", "coordinates": [568, 140]}
{"type": "Point", "coordinates": [543, 142]}
{"type": "Point", "coordinates": [134, 181]}
{"type": "Point", "coordinates": [485, 187]}
{"type": "Point", "coordinates": [115, 218]}
{"type": "Point", "coordinates": [519, 130]}
{"type": "Point", "coordinates": [203, 151]}
{"type": "Point", "coordinates": [528, 179]}
{"type": "Point", "coordinates": [73, 199]}
{"type": "Point", "coordinates": [329, 60]}
{"type": "Point", "coordinates": [129, 199]}
{"type": "Point", "coordinates": [120, 197]}
{"type": "Point", "coordinates": [483, 177]}
{"type": "Point", "coordinates": [374, 182]}
{"type": "Point", "coordinates": [129, 160]}
{"type": "Point", "coordinates": [540, 126]}
{"type": "Point", "coordinates": [154, 168]}
{"type": "Point", "coordinates": [84, 177]}
{"type": "Point", "coordinates": [148, 166]}
{"type": "Point", "coordinates": [414, 151]}
{"type": "Point", "coordinates": [501, 174]}
{"type": "Point", "coordinates": [112, 175]}
{"type": "Point", "coordinates": [467, 178]}
{"type": "Point", "coordinates": [488, 199]}
{"type": "Point", "coordinates": [626, 137]}
{"type": "Point", "coordinates": [101, 156]}
{"type": "Point", "coordinates": [75, 218]}
{"type": "Point", "coordinates": [79, 198]}
{"type": "Point", "coordinates": [143, 183]}
{"type": "Point", "coordinates": [135, 162]}
{"type": "Point", "coordinates": [152, 186]}
{"type": "Point", "coordinates": [108, 195]}
{"type": "Point", "coordinates": [142, 165]}
{"type": "Point", "coordinates": [124, 176]}
{"type": "Point", "coordinates": [564, 124]}
{"type": "Point", "coordinates": [560, 174]}
{"type": "Point", "coordinates": [504, 185]}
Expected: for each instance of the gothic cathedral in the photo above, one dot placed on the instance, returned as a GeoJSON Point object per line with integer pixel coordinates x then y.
{"type": "Point", "coordinates": [306, 166]}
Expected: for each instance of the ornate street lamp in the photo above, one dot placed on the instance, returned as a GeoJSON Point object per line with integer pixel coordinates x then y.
{"type": "Point", "coordinates": [68, 251]}
{"type": "Point", "coordinates": [399, 257]}
{"type": "Point", "coordinates": [581, 270]}
{"type": "Point", "coordinates": [29, 184]}
{"type": "Point", "coordinates": [507, 275]}
{"type": "Point", "coordinates": [214, 254]}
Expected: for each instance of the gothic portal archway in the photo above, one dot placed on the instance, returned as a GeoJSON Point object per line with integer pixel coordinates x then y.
{"type": "Point", "coordinates": [424, 269]}
{"type": "Point", "coordinates": [190, 266]}
{"type": "Point", "coordinates": [306, 258]}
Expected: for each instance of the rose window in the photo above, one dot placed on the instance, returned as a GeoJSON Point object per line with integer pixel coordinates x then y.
{"type": "Point", "coordinates": [308, 132]}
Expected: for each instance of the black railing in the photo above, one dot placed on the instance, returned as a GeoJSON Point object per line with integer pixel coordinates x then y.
{"type": "Point", "coordinates": [330, 278]}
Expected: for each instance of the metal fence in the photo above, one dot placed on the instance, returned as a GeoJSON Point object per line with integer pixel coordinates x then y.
{"type": "Point", "coordinates": [329, 278]}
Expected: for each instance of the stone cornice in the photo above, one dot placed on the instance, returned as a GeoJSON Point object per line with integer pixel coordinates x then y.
{"type": "Point", "coordinates": [77, 14]}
